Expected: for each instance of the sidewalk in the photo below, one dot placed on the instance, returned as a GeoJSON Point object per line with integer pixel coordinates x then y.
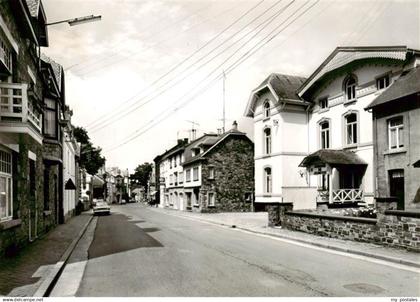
{"type": "Point", "coordinates": [257, 223]}
{"type": "Point", "coordinates": [23, 274]}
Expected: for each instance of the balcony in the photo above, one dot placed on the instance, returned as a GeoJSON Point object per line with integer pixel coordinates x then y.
{"type": "Point", "coordinates": [17, 109]}
{"type": "Point", "coordinates": [348, 195]}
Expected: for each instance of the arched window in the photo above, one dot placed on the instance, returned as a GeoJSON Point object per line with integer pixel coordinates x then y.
{"type": "Point", "coordinates": [324, 128]}
{"type": "Point", "coordinates": [350, 121]}
{"type": "Point", "coordinates": [267, 109]}
{"type": "Point", "coordinates": [350, 88]}
{"type": "Point", "coordinates": [267, 141]}
{"type": "Point", "coordinates": [268, 185]}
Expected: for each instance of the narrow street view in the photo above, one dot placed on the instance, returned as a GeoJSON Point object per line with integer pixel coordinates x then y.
{"type": "Point", "coordinates": [207, 148]}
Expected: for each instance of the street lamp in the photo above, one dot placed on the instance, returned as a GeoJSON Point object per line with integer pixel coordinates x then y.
{"type": "Point", "coordinates": [77, 21]}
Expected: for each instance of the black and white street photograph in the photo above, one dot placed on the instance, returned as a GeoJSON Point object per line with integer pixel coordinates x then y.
{"type": "Point", "coordinates": [210, 149]}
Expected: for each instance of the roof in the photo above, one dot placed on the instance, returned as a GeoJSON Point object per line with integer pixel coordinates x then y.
{"type": "Point", "coordinates": [56, 68]}
{"type": "Point", "coordinates": [405, 85]}
{"type": "Point", "coordinates": [342, 56]}
{"type": "Point", "coordinates": [217, 141]}
{"type": "Point", "coordinates": [33, 6]}
{"type": "Point", "coordinates": [282, 86]}
{"type": "Point", "coordinates": [333, 158]}
{"type": "Point", "coordinates": [417, 164]}
{"type": "Point", "coordinates": [178, 147]}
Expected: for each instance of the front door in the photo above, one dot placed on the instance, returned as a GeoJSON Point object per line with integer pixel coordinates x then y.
{"type": "Point", "coordinates": [396, 187]}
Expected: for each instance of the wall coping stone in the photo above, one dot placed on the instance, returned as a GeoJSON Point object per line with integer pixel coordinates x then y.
{"type": "Point", "coordinates": [334, 217]}
{"type": "Point", "coordinates": [10, 224]}
{"type": "Point", "coordinates": [413, 214]}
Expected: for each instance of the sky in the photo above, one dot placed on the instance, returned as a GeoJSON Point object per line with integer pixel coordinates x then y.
{"type": "Point", "coordinates": [138, 79]}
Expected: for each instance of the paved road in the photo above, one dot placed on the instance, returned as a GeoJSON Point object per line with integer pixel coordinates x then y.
{"type": "Point", "coordinates": [138, 251]}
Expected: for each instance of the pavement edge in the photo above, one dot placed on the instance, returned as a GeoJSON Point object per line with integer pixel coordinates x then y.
{"type": "Point", "coordinates": [49, 282]}
{"type": "Point", "coordinates": [327, 246]}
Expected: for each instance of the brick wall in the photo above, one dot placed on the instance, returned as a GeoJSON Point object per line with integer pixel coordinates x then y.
{"type": "Point", "coordinates": [233, 164]}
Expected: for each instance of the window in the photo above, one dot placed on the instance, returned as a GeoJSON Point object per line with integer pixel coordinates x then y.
{"type": "Point", "coordinates": [211, 172]}
{"type": "Point", "coordinates": [267, 109]}
{"type": "Point", "coordinates": [181, 177]}
{"type": "Point", "coordinates": [382, 82]}
{"type": "Point", "coordinates": [171, 179]}
{"type": "Point", "coordinates": [267, 180]}
{"type": "Point", "coordinates": [325, 134]}
{"type": "Point", "coordinates": [212, 200]}
{"type": "Point", "coordinates": [170, 163]}
{"type": "Point", "coordinates": [5, 53]}
{"type": "Point", "coordinates": [350, 88]}
{"type": "Point", "coordinates": [396, 133]}
{"type": "Point", "coordinates": [323, 103]}
{"type": "Point", "coordinates": [175, 160]}
{"type": "Point", "coordinates": [188, 175]}
{"type": "Point", "coordinates": [351, 128]}
{"type": "Point", "coordinates": [267, 141]}
{"type": "Point", "coordinates": [195, 173]}
{"type": "Point", "coordinates": [176, 178]}
{"type": "Point", "coordinates": [6, 199]}
{"type": "Point", "coordinates": [50, 118]}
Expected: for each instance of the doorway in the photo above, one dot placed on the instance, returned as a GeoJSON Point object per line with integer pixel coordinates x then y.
{"type": "Point", "coordinates": [396, 187]}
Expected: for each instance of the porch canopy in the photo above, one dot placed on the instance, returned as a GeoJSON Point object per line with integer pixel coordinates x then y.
{"type": "Point", "coordinates": [334, 158]}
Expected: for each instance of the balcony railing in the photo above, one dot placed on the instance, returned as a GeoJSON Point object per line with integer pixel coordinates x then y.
{"type": "Point", "coordinates": [15, 106]}
{"type": "Point", "coordinates": [348, 195]}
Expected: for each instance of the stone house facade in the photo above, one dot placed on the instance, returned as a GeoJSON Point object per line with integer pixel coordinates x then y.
{"type": "Point", "coordinates": [396, 129]}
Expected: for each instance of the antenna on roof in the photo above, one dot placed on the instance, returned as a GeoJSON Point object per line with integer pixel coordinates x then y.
{"type": "Point", "coordinates": [193, 130]}
{"type": "Point", "coordinates": [224, 101]}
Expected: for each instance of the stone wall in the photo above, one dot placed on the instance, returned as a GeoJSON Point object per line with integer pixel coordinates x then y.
{"type": "Point", "coordinates": [394, 228]}
{"type": "Point", "coordinates": [233, 164]}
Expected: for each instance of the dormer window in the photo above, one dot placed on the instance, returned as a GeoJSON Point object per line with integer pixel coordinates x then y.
{"type": "Point", "coordinates": [267, 109]}
{"type": "Point", "coordinates": [350, 88]}
{"type": "Point", "coordinates": [323, 103]}
{"type": "Point", "coordinates": [382, 82]}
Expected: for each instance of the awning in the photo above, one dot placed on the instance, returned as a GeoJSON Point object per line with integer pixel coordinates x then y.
{"type": "Point", "coordinates": [97, 181]}
{"type": "Point", "coordinates": [332, 157]}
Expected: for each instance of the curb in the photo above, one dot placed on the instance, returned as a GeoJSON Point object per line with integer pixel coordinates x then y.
{"type": "Point", "coordinates": [327, 246]}
{"type": "Point", "coordinates": [49, 282]}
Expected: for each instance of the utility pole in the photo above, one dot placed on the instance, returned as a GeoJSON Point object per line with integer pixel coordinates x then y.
{"type": "Point", "coordinates": [224, 102]}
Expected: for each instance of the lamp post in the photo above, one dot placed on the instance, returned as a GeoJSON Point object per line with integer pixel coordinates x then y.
{"type": "Point", "coordinates": [77, 21]}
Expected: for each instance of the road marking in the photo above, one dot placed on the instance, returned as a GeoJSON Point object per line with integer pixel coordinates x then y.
{"type": "Point", "coordinates": [307, 245]}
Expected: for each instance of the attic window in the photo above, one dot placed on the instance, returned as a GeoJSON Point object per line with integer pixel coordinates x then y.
{"type": "Point", "coordinates": [323, 103]}
{"type": "Point", "coordinates": [382, 82]}
{"type": "Point", "coordinates": [350, 88]}
{"type": "Point", "coordinates": [267, 109]}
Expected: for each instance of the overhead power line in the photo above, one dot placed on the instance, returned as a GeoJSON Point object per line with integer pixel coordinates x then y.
{"type": "Point", "coordinates": [176, 66]}
{"type": "Point", "coordinates": [264, 24]}
{"type": "Point", "coordinates": [245, 56]}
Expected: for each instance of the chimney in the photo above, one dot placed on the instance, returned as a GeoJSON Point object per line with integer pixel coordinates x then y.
{"type": "Point", "coordinates": [235, 126]}
{"type": "Point", "coordinates": [219, 131]}
{"type": "Point", "coordinates": [179, 141]}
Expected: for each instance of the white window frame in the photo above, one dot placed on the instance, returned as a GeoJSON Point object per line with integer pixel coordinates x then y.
{"type": "Point", "coordinates": [188, 175]}
{"type": "Point", "coordinates": [181, 177]}
{"type": "Point", "coordinates": [211, 201]}
{"type": "Point", "coordinates": [268, 180]}
{"type": "Point", "coordinates": [397, 129]}
{"type": "Point", "coordinates": [7, 173]}
{"type": "Point", "coordinates": [354, 129]}
{"type": "Point", "coordinates": [266, 109]}
{"type": "Point", "coordinates": [350, 88]}
{"type": "Point", "coordinates": [384, 81]}
{"type": "Point", "coordinates": [198, 172]}
{"type": "Point", "coordinates": [267, 141]}
{"type": "Point", "coordinates": [324, 132]}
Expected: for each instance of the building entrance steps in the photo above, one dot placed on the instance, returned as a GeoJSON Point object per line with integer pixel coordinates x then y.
{"type": "Point", "coordinates": [258, 223]}
{"type": "Point", "coordinates": [37, 265]}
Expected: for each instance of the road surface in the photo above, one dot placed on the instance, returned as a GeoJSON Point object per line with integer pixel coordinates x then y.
{"type": "Point", "coordinates": [138, 251]}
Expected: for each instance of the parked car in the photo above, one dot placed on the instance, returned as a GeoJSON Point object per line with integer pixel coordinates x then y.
{"type": "Point", "coordinates": [101, 207]}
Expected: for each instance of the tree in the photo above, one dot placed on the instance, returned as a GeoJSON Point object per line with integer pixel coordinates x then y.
{"type": "Point", "coordinates": [90, 157]}
{"type": "Point", "coordinates": [141, 175]}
